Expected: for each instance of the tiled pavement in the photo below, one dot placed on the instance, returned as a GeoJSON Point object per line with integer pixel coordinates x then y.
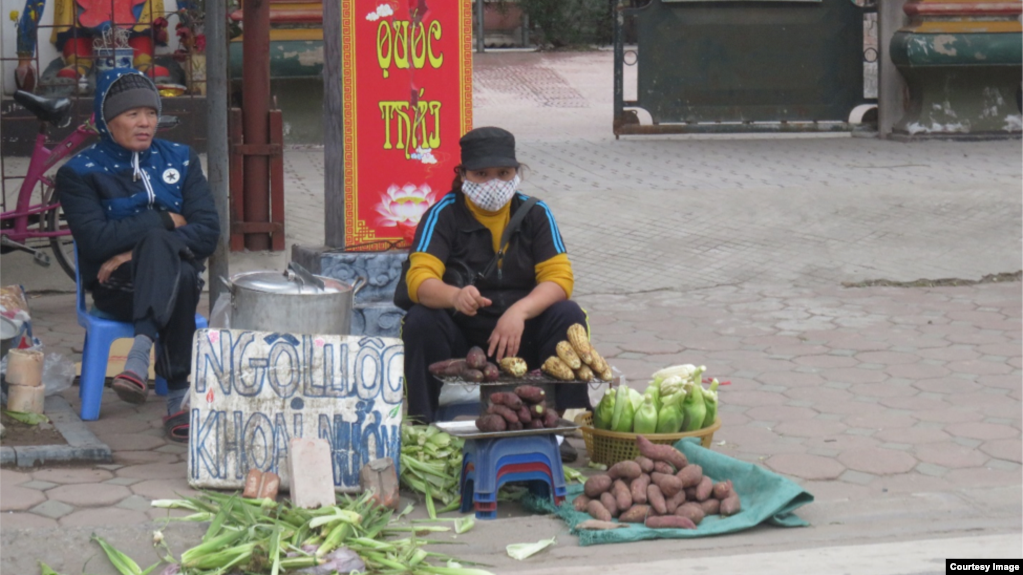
{"type": "Point", "coordinates": [894, 406]}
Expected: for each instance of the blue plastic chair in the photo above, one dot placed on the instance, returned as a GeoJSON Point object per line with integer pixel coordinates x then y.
{"type": "Point", "coordinates": [453, 410]}
{"type": "Point", "coordinates": [100, 333]}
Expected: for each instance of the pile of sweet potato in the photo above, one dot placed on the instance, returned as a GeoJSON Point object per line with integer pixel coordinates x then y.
{"type": "Point", "coordinates": [522, 408]}
{"type": "Point", "coordinates": [660, 488]}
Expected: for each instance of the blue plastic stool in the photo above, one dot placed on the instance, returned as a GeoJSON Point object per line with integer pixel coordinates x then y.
{"type": "Point", "coordinates": [537, 481]}
{"type": "Point", "coordinates": [487, 454]}
{"type": "Point", "coordinates": [453, 410]}
{"type": "Point", "coordinates": [100, 333]}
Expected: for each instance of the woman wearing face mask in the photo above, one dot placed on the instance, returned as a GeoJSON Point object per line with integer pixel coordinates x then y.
{"type": "Point", "coordinates": [521, 308]}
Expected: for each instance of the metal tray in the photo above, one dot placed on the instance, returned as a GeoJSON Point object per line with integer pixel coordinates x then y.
{"type": "Point", "coordinates": [506, 379]}
{"type": "Point", "coordinates": [468, 430]}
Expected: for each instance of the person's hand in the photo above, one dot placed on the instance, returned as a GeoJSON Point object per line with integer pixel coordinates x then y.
{"type": "Point", "coordinates": [112, 264]}
{"type": "Point", "coordinates": [507, 336]}
{"type": "Point", "coordinates": [179, 220]}
{"type": "Point", "coordinates": [468, 299]}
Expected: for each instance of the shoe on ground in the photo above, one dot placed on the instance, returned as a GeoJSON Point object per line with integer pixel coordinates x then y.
{"type": "Point", "coordinates": [568, 453]}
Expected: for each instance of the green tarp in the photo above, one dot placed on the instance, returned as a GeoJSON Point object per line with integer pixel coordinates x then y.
{"type": "Point", "coordinates": [766, 497]}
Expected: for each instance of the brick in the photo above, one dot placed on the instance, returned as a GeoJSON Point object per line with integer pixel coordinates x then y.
{"type": "Point", "coordinates": [380, 478]}
{"type": "Point", "coordinates": [259, 484]}
{"type": "Point", "coordinates": [310, 472]}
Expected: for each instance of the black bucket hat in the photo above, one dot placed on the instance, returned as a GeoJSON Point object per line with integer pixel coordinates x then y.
{"type": "Point", "coordinates": [488, 148]}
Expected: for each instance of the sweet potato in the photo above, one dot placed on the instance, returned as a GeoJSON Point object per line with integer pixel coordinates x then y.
{"type": "Point", "coordinates": [454, 368]}
{"type": "Point", "coordinates": [669, 484]}
{"type": "Point", "coordinates": [536, 411]}
{"type": "Point", "coordinates": [491, 422]}
{"type": "Point", "coordinates": [635, 514]}
{"type": "Point", "coordinates": [598, 511]}
{"type": "Point", "coordinates": [597, 525]}
{"type": "Point", "coordinates": [534, 424]}
{"type": "Point", "coordinates": [473, 375]}
{"type": "Point", "coordinates": [665, 453]}
{"type": "Point", "coordinates": [730, 505]}
{"type": "Point", "coordinates": [507, 399]}
{"type": "Point", "coordinates": [638, 488]}
{"type": "Point", "coordinates": [692, 510]}
{"type": "Point", "coordinates": [491, 372]}
{"type": "Point", "coordinates": [625, 470]}
{"type": "Point", "coordinates": [656, 499]}
{"type": "Point", "coordinates": [723, 489]}
{"type": "Point", "coordinates": [508, 415]}
{"type": "Point", "coordinates": [550, 419]}
{"type": "Point", "coordinates": [672, 503]}
{"type": "Point", "coordinates": [623, 497]}
{"type": "Point", "coordinates": [440, 367]}
{"type": "Point", "coordinates": [691, 475]}
{"type": "Point", "coordinates": [662, 467]}
{"type": "Point", "coordinates": [710, 506]}
{"type": "Point", "coordinates": [524, 415]}
{"type": "Point", "coordinates": [610, 503]}
{"type": "Point", "coordinates": [517, 426]}
{"type": "Point", "coordinates": [476, 358]}
{"type": "Point", "coordinates": [690, 493]}
{"type": "Point", "coordinates": [530, 393]}
{"type": "Point", "coordinates": [596, 485]}
{"type": "Point", "coordinates": [580, 502]}
{"type": "Point", "coordinates": [669, 522]}
{"type": "Point", "coordinates": [704, 489]}
{"type": "Point", "coordinates": [645, 463]}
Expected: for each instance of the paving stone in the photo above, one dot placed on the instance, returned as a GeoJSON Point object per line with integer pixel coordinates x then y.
{"type": "Point", "coordinates": [109, 466]}
{"type": "Point", "coordinates": [91, 495]}
{"type": "Point", "coordinates": [823, 452]}
{"type": "Point", "coordinates": [805, 466]}
{"type": "Point", "coordinates": [837, 385]}
{"type": "Point", "coordinates": [949, 415]}
{"type": "Point", "coordinates": [751, 398]}
{"type": "Point", "coordinates": [129, 458]}
{"type": "Point", "coordinates": [135, 503]}
{"type": "Point", "coordinates": [887, 357]}
{"type": "Point", "coordinates": [836, 491]}
{"type": "Point", "coordinates": [972, 477]}
{"type": "Point", "coordinates": [826, 361]}
{"type": "Point", "coordinates": [816, 395]}
{"type": "Point", "coordinates": [967, 442]}
{"type": "Point", "coordinates": [898, 446]}
{"type": "Point", "coordinates": [915, 435]}
{"type": "Point", "coordinates": [878, 461]}
{"type": "Point", "coordinates": [20, 499]}
{"type": "Point", "coordinates": [780, 413]}
{"type": "Point", "coordinates": [946, 385]}
{"type": "Point", "coordinates": [23, 520]}
{"type": "Point", "coordinates": [40, 485]}
{"type": "Point", "coordinates": [103, 516]}
{"type": "Point", "coordinates": [878, 421]}
{"type": "Point", "coordinates": [883, 390]}
{"type": "Point", "coordinates": [857, 477]}
{"type": "Point", "coordinates": [171, 488]}
{"type": "Point", "coordinates": [919, 370]}
{"type": "Point", "coordinates": [914, 403]}
{"type": "Point", "coordinates": [983, 431]}
{"type": "Point", "coordinates": [134, 441]}
{"type": "Point", "coordinates": [980, 367]}
{"type": "Point", "coordinates": [70, 475]}
{"type": "Point", "coordinates": [153, 470]}
{"type": "Point", "coordinates": [125, 481]}
{"type": "Point", "coordinates": [1002, 464]}
{"type": "Point", "coordinates": [12, 477]}
{"type": "Point", "coordinates": [867, 432]}
{"type": "Point", "coordinates": [1007, 449]}
{"type": "Point", "coordinates": [809, 428]}
{"type": "Point", "coordinates": [950, 455]}
{"type": "Point", "coordinates": [53, 509]}
{"type": "Point", "coordinates": [911, 483]}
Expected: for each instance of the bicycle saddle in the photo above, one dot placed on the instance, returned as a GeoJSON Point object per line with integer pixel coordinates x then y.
{"type": "Point", "coordinates": [56, 111]}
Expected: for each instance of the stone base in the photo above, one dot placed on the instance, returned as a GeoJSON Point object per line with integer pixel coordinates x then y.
{"type": "Point", "coordinates": [374, 312]}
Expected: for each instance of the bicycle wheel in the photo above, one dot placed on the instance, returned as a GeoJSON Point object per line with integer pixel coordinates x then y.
{"type": "Point", "coordinates": [63, 247]}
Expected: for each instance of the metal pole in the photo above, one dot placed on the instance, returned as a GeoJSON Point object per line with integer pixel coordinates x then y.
{"type": "Point", "coordinates": [256, 116]}
{"type": "Point", "coordinates": [479, 27]}
{"type": "Point", "coordinates": [333, 128]}
{"type": "Point", "coordinates": [216, 138]}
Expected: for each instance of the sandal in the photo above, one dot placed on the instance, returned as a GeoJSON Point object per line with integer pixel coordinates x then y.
{"type": "Point", "coordinates": [176, 427]}
{"type": "Point", "coordinates": [131, 388]}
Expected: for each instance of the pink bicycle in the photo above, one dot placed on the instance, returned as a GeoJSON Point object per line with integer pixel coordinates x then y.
{"type": "Point", "coordinates": [38, 219]}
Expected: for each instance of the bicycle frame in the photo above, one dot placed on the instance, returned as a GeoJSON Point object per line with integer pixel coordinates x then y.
{"type": "Point", "coordinates": [43, 159]}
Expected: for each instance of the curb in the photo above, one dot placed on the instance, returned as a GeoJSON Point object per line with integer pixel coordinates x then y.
{"type": "Point", "coordinates": [82, 445]}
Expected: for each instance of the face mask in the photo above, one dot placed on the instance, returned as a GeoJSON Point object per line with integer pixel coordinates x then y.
{"type": "Point", "coordinates": [491, 195]}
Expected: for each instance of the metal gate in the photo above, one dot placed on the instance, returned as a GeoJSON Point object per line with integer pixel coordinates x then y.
{"type": "Point", "coordinates": [739, 65]}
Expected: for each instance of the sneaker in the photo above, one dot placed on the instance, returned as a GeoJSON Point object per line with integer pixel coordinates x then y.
{"type": "Point", "coordinates": [568, 452]}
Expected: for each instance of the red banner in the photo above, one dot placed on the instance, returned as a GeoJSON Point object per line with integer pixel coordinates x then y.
{"type": "Point", "coordinates": [407, 68]}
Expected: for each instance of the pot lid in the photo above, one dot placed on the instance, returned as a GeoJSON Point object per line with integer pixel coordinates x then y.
{"type": "Point", "coordinates": [288, 283]}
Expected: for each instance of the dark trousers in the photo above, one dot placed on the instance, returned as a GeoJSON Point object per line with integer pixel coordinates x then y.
{"type": "Point", "coordinates": [431, 335]}
{"type": "Point", "coordinates": [158, 290]}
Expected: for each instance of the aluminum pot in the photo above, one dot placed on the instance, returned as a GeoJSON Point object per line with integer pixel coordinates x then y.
{"type": "Point", "coordinates": [293, 302]}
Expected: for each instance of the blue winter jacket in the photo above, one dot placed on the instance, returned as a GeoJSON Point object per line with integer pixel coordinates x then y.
{"type": "Point", "coordinates": [112, 197]}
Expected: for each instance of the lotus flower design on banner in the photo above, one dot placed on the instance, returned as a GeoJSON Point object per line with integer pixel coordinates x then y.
{"type": "Point", "coordinates": [405, 205]}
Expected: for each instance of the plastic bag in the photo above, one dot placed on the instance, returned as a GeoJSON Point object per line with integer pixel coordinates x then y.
{"type": "Point", "coordinates": [220, 315]}
{"type": "Point", "coordinates": [454, 393]}
{"type": "Point", "coordinates": [58, 372]}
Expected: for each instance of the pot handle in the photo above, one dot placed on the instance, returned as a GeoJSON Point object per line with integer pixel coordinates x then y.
{"type": "Point", "coordinates": [227, 283]}
{"type": "Point", "coordinates": [359, 283]}
{"type": "Point", "coordinates": [304, 276]}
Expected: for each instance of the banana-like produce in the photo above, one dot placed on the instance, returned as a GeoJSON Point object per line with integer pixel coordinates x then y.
{"type": "Point", "coordinates": [598, 363]}
{"type": "Point", "coordinates": [568, 355]}
{"type": "Point", "coordinates": [580, 342]}
{"type": "Point", "coordinates": [516, 366]}
{"type": "Point", "coordinates": [584, 373]}
{"type": "Point", "coordinates": [558, 369]}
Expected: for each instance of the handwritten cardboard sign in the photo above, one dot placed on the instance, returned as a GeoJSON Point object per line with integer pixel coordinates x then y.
{"type": "Point", "coordinates": [254, 391]}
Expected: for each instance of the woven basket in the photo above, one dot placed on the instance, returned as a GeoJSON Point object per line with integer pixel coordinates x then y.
{"type": "Point", "coordinates": [610, 447]}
